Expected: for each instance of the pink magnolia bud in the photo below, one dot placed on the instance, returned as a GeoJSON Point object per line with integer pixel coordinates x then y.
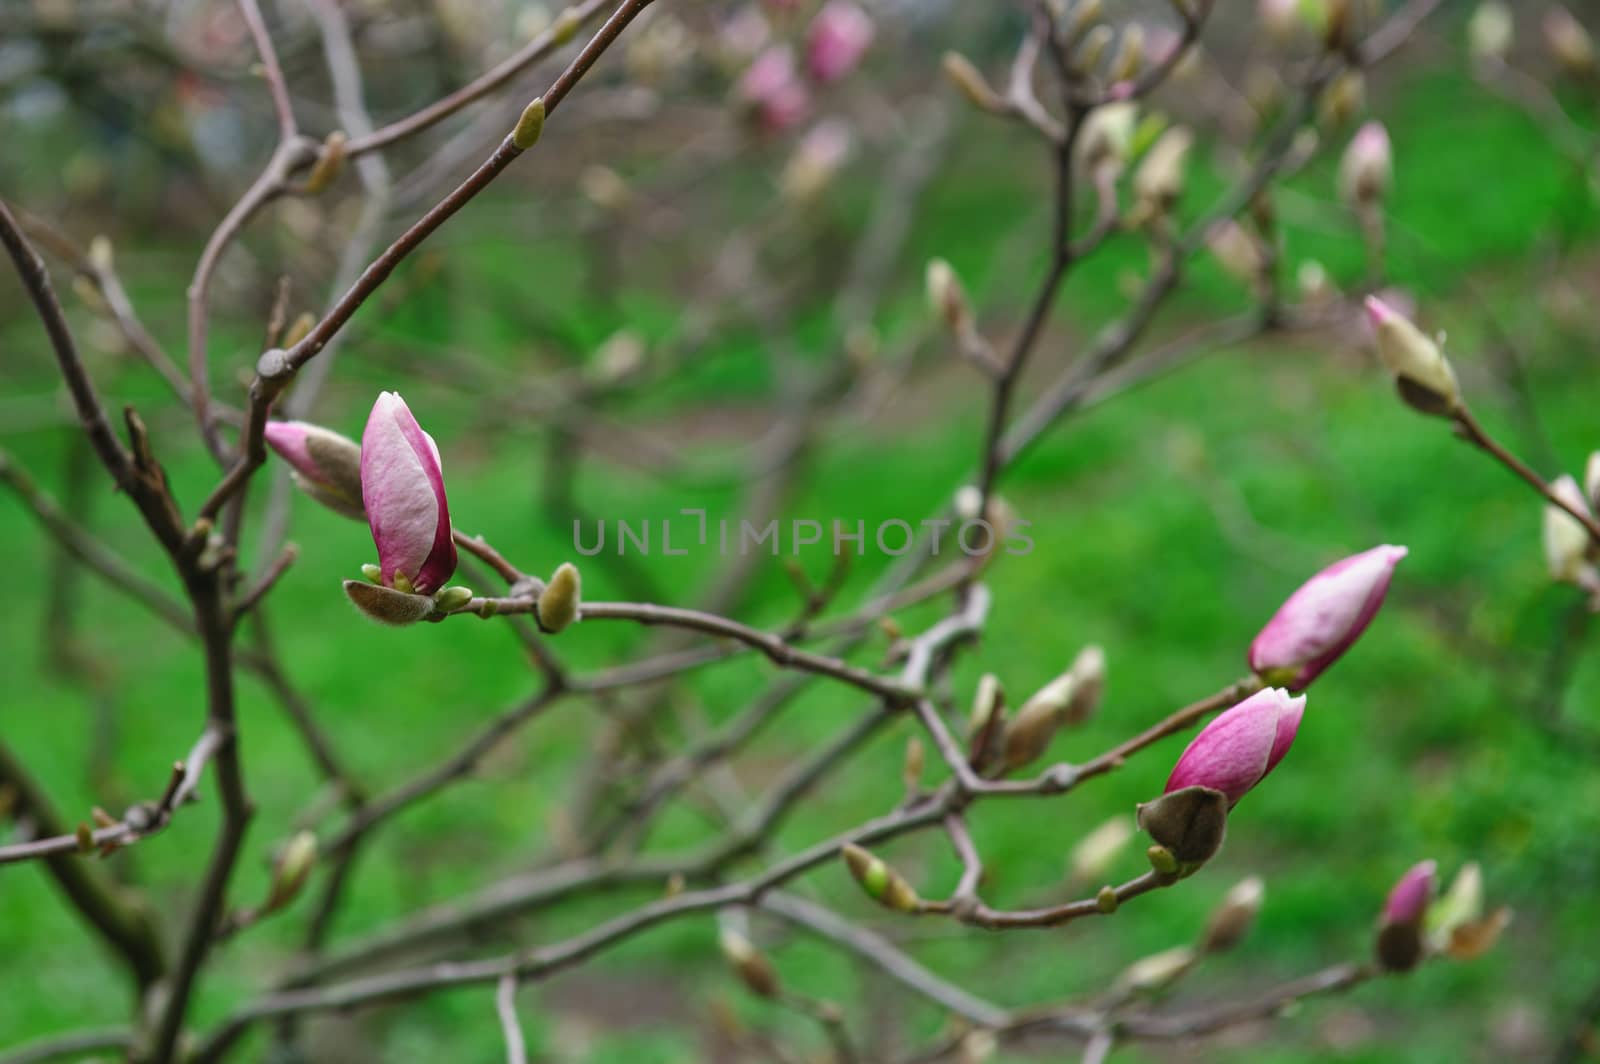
{"type": "Point", "coordinates": [1408, 901]}
{"type": "Point", "coordinates": [1321, 620]}
{"type": "Point", "coordinates": [839, 36]}
{"type": "Point", "coordinates": [771, 88]}
{"type": "Point", "coordinates": [1367, 168]}
{"type": "Point", "coordinates": [1236, 750]}
{"type": "Point", "coordinates": [1400, 940]}
{"type": "Point", "coordinates": [403, 488]}
{"type": "Point", "coordinates": [327, 466]}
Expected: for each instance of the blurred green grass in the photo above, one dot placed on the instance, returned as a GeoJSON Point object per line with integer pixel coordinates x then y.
{"type": "Point", "coordinates": [1168, 526]}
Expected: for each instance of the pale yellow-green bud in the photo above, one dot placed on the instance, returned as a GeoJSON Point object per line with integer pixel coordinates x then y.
{"type": "Point", "coordinates": [1491, 31]}
{"type": "Point", "coordinates": [329, 162]}
{"type": "Point", "coordinates": [291, 870]}
{"type": "Point", "coordinates": [1343, 99]}
{"type": "Point", "coordinates": [1425, 377]}
{"type": "Point", "coordinates": [749, 963]}
{"type": "Point", "coordinates": [388, 605]}
{"type": "Point", "coordinates": [1458, 906]}
{"type": "Point", "coordinates": [559, 602]}
{"type": "Point", "coordinates": [1130, 54]}
{"type": "Point", "coordinates": [881, 882]}
{"type": "Point", "coordinates": [1095, 45]}
{"type": "Point", "coordinates": [372, 573]}
{"type": "Point", "coordinates": [1097, 851]}
{"type": "Point", "coordinates": [450, 599]}
{"type": "Point", "coordinates": [1569, 42]}
{"type": "Point", "coordinates": [1089, 674]}
{"type": "Point", "coordinates": [946, 296]}
{"type": "Point", "coordinates": [1106, 900]}
{"type": "Point", "coordinates": [1233, 917]}
{"type": "Point", "coordinates": [1106, 138]}
{"type": "Point", "coordinates": [566, 25]}
{"type": "Point", "coordinates": [1160, 177]}
{"type": "Point", "coordinates": [1591, 480]}
{"type": "Point", "coordinates": [529, 126]}
{"type": "Point", "coordinates": [604, 187]}
{"type": "Point", "coordinates": [1236, 251]}
{"type": "Point", "coordinates": [1157, 971]}
{"type": "Point", "coordinates": [100, 255]}
{"type": "Point", "coordinates": [1566, 540]}
{"type": "Point", "coordinates": [960, 72]}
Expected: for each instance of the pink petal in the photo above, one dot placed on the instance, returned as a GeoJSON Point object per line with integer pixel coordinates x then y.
{"type": "Point", "coordinates": [1290, 711]}
{"type": "Point", "coordinates": [403, 490]}
{"type": "Point", "coordinates": [839, 36]}
{"type": "Point", "coordinates": [1231, 753]}
{"type": "Point", "coordinates": [288, 438]}
{"type": "Point", "coordinates": [1408, 901]}
{"type": "Point", "coordinates": [1325, 616]}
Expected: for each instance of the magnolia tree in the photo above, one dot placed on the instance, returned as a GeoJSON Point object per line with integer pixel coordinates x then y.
{"type": "Point", "coordinates": [1078, 80]}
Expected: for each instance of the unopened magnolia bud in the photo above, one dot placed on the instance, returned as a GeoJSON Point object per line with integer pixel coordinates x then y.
{"type": "Point", "coordinates": [1160, 178]}
{"type": "Point", "coordinates": [1157, 971]}
{"type": "Point", "coordinates": [1343, 99]}
{"type": "Point", "coordinates": [604, 187]}
{"type": "Point", "coordinates": [1089, 687]}
{"type": "Point", "coordinates": [1422, 374]}
{"type": "Point", "coordinates": [558, 603]}
{"type": "Point", "coordinates": [1107, 138]}
{"type": "Point", "coordinates": [1367, 169]}
{"type": "Point", "coordinates": [619, 357]}
{"type": "Point", "coordinates": [1569, 42]}
{"type": "Point", "coordinates": [1095, 44]}
{"type": "Point", "coordinates": [1281, 19]}
{"type": "Point", "coordinates": [1233, 917]}
{"type": "Point", "coordinates": [1400, 944]}
{"type": "Point", "coordinates": [883, 884]}
{"type": "Point", "coordinates": [1106, 900]}
{"type": "Point", "coordinates": [452, 598]}
{"type": "Point", "coordinates": [1491, 30]}
{"type": "Point", "coordinates": [1095, 853]}
{"type": "Point", "coordinates": [966, 77]}
{"type": "Point", "coordinates": [946, 296]}
{"type": "Point", "coordinates": [388, 605]}
{"type": "Point", "coordinates": [100, 254]}
{"type": "Point", "coordinates": [1311, 277]}
{"type": "Point", "coordinates": [986, 723]}
{"type": "Point", "coordinates": [979, 1047]}
{"type": "Point", "coordinates": [1189, 822]}
{"type": "Point", "coordinates": [291, 870]}
{"type": "Point", "coordinates": [1030, 731]}
{"type": "Point", "coordinates": [1085, 14]}
{"type": "Point", "coordinates": [530, 125]}
{"type": "Point", "coordinates": [329, 162]}
{"type": "Point", "coordinates": [1236, 251]}
{"type": "Point", "coordinates": [566, 25]}
{"type": "Point", "coordinates": [326, 465]}
{"type": "Point", "coordinates": [1130, 55]}
{"type": "Point", "coordinates": [1566, 540]}
{"type": "Point", "coordinates": [1336, 24]}
{"type": "Point", "coordinates": [752, 967]}
{"type": "Point", "coordinates": [911, 771]}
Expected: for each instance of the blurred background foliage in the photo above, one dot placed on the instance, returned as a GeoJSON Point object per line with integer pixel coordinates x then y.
{"type": "Point", "coordinates": [1168, 524]}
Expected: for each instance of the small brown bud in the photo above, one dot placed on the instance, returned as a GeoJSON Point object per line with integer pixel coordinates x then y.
{"type": "Point", "coordinates": [291, 870]}
{"type": "Point", "coordinates": [1233, 917]}
{"type": "Point", "coordinates": [749, 963]}
{"type": "Point", "coordinates": [1157, 971]}
{"type": "Point", "coordinates": [1092, 857]}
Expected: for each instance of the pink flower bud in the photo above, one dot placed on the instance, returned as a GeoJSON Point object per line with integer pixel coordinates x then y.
{"type": "Point", "coordinates": [1236, 750]}
{"type": "Point", "coordinates": [771, 88]}
{"type": "Point", "coordinates": [839, 36]}
{"type": "Point", "coordinates": [327, 466]}
{"type": "Point", "coordinates": [1321, 620]}
{"type": "Point", "coordinates": [1400, 944]}
{"type": "Point", "coordinates": [403, 488]}
{"type": "Point", "coordinates": [1367, 168]}
{"type": "Point", "coordinates": [1408, 901]}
